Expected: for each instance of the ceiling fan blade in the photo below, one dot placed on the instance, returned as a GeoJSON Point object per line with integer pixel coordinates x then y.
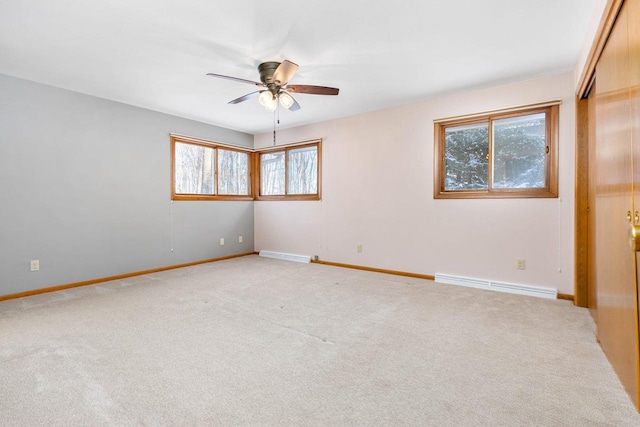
{"type": "Point", "coordinates": [245, 97]}
{"type": "Point", "coordinates": [295, 106]}
{"type": "Point", "coordinates": [313, 90]}
{"type": "Point", "coordinates": [235, 79]}
{"type": "Point", "coordinates": [284, 72]}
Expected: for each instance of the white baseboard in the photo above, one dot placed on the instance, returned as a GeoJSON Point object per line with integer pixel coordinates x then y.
{"type": "Point", "coordinates": [512, 288]}
{"type": "Point", "coordinates": [287, 257]}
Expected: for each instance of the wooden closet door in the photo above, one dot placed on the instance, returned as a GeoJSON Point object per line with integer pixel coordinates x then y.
{"type": "Point", "coordinates": [634, 100]}
{"type": "Point", "coordinates": [615, 262]}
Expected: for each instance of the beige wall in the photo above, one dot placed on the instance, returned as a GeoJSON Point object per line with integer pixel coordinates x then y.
{"type": "Point", "coordinates": [378, 192]}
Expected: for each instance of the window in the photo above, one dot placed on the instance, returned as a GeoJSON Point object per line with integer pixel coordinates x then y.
{"type": "Point", "coordinates": [204, 171]}
{"type": "Point", "coordinates": [291, 173]}
{"type": "Point", "coordinates": [233, 172]}
{"type": "Point", "coordinates": [502, 154]}
{"type": "Point", "coordinates": [272, 174]}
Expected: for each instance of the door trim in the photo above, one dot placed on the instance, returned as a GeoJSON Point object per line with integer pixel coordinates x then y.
{"type": "Point", "coordinates": [609, 15]}
{"type": "Point", "coordinates": [581, 266]}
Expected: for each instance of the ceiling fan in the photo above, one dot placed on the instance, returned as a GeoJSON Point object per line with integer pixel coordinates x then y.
{"type": "Point", "coordinates": [274, 78]}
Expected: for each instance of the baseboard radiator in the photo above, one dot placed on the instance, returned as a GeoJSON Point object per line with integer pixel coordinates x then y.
{"type": "Point", "coordinates": [512, 288]}
{"type": "Point", "coordinates": [286, 257]}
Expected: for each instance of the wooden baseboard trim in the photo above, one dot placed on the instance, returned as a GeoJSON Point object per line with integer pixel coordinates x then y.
{"type": "Point", "coordinates": [403, 273]}
{"type": "Point", "coordinates": [376, 270]}
{"type": "Point", "coordinates": [116, 277]}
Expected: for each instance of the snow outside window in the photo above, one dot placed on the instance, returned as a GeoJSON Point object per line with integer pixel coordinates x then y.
{"type": "Point", "coordinates": [511, 154]}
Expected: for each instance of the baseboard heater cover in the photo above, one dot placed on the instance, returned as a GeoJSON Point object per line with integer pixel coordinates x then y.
{"type": "Point", "coordinates": [512, 288]}
{"type": "Point", "coordinates": [286, 257]}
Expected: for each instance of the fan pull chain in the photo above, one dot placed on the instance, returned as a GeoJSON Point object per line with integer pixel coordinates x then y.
{"type": "Point", "coordinates": [274, 122]}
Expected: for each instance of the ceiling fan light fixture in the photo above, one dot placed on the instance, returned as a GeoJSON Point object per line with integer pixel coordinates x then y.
{"type": "Point", "coordinates": [285, 100]}
{"type": "Point", "coordinates": [265, 98]}
{"type": "Point", "coordinates": [272, 105]}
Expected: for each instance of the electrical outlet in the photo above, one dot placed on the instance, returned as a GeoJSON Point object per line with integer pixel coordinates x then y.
{"type": "Point", "coordinates": [239, 239]}
{"type": "Point", "coordinates": [222, 241]}
{"type": "Point", "coordinates": [35, 265]}
{"type": "Point", "coordinates": [359, 248]}
{"type": "Point", "coordinates": [520, 263]}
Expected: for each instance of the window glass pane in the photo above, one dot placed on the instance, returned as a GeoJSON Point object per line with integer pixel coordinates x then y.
{"type": "Point", "coordinates": [519, 152]}
{"type": "Point", "coordinates": [465, 149]}
{"type": "Point", "coordinates": [194, 169]}
{"type": "Point", "coordinates": [303, 170]}
{"type": "Point", "coordinates": [272, 174]}
{"type": "Point", "coordinates": [233, 172]}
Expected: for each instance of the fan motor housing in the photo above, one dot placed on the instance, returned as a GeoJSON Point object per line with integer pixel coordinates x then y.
{"type": "Point", "coordinates": [266, 70]}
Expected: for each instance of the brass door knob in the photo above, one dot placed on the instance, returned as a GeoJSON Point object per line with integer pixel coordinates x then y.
{"type": "Point", "coordinates": [629, 216]}
{"type": "Point", "coordinates": [634, 237]}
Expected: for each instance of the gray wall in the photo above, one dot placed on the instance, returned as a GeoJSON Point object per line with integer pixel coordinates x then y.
{"type": "Point", "coordinates": [85, 189]}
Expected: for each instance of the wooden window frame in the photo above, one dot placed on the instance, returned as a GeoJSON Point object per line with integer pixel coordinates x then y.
{"type": "Point", "coordinates": [193, 141]}
{"type": "Point", "coordinates": [254, 170]}
{"type": "Point", "coordinates": [550, 190]}
{"type": "Point", "coordinates": [258, 168]}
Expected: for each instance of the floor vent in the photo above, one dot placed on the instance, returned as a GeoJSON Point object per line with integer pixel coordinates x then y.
{"type": "Point", "coordinates": [286, 257]}
{"type": "Point", "coordinates": [512, 288]}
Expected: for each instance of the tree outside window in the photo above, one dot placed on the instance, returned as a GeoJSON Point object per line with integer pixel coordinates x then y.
{"type": "Point", "coordinates": [511, 154]}
{"type": "Point", "coordinates": [204, 171]}
{"type": "Point", "coordinates": [292, 173]}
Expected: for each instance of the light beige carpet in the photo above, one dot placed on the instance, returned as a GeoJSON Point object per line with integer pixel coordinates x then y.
{"type": "Point", "coordinates": [254, 341]}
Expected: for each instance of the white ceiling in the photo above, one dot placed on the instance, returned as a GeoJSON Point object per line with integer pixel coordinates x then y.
{"type": "Point", "coordinates": [156, 53]}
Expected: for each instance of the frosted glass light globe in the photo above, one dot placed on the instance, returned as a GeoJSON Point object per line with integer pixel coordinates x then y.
{"type": "Point", "coordinates": [265, 98]}
{"type": "Point", "coordinates": [285, 100]}
{"type": "Point", "coordinates": [272, 105]}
